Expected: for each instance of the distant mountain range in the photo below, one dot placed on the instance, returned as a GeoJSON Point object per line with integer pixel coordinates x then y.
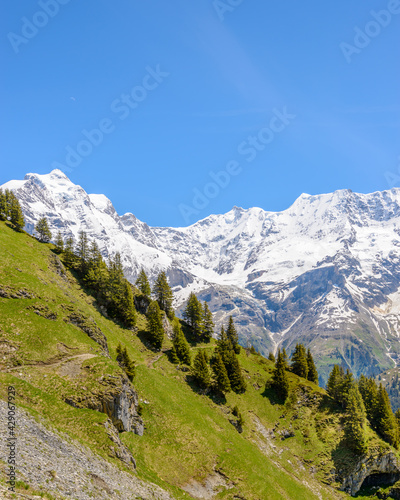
{"type": "Point", "coordinates": [325, 272]}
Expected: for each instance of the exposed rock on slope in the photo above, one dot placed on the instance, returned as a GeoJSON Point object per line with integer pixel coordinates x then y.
{"type": "Point", "coordinates": [66, 468]}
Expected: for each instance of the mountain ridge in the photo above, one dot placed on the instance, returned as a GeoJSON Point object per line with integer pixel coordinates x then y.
{"type": "Point", "coordinates": [322, 272]}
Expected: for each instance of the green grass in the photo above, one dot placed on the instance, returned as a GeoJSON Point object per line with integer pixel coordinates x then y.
{"type": "Point", "coordinates": [188, 434]}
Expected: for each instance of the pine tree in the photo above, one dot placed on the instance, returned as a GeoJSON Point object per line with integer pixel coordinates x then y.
{"type": "Point", "coordinates": [15, 214]}
{"type": "Point", "coordinates": [200, 370]}
{"type": "Point", "coordinates": [221, 378]}
{"type": "Point", "coordinates": [155, 325]}
{"type": "Point", "coordinates": [369, 393]}
{"type": "Point", "coordinates": [193, 314]}
{"type": "Point", "coordinates": [271, 357]}
{"type": "Point", "coordinates": [233, 336]}
{"type": "Point", "coordinates": [344, 388]}
{"type": "Point", "coordinates": [3, 205]}
{"type": "Point", "coordinates": [235, 375]}
{"type": "Point", "coordinates": [43, 230]}
{"type": "Point", "coordinates": [69, 251]}
{"type": "Point", "coordinates": [82, 251]}
{"type": "Point", "coordinates": [181, 346]}
{"type": "Point", "coordinates": [280, 381]}
{"type": "Point", "coordinates": [173, 356]}
{"type": "Point", "coordinates": [143, 283]}
{"type": "Point", "coordinates": [335, 381]}
{"type": "Point", "coordinates": [285, 359]}
{"type": "Point", "coordinates": [356, 421]}
{"type": "Point", "coordinates": [208, 323]}
{"type": "Point", "coordinates": [299, 364]}
{"type": "Point", "coordinates": [163, 295]}
{"type": "Point", "coordinates": [386, 421]}
{"type": "Point", "coordinates": [59, 242]}
{"type": "Point", "coordinates": [312, 370]}
{"type": "Point", "coordinates": [125, 362]}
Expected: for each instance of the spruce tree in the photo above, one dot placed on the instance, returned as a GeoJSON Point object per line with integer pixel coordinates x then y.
{"type": "Point", "coordinates": [235, 375]}
{"type": "Point", "coordinates": [280, 380]}
{"type": "Point", "coordinates": [271, 357]}
{"type": "Point", "coordinates": [335, 380]}
{"type": "Point", "coordinates": [386, 421]}
{"type": "Point", "coordinates": [82, 251]}
{"type": "Point", "coordinates": [312, 370]}
{"type": "Point", "coordinates": [173, 356]}
{"type": "Point", "coordinates": [232, 335]}
{"type": "Point", "coordinates": [43, 230]}
{"type": "Point", "coordinates": [200, 370]}
{"type": "Point", "coordinates": [208, 324]}
{"type": "Point", "coordinates": [155, 325]}
{"type": "Point", "coordinates": [163, 295]}
{"type": "Point", "coordinates": [299, 364]}
{"type": "Point", "coordinates": [15, 214]}
{"type": "Point", "coordinates": [59, 242]}
{"type": "Point", "coordinates": [125, 362]}
{"type": "Point", "coordinates": [143, 283]}
{"type": "Point", "coordinates": [3, 205]}
{"type": "Point", "coordinates": [181, 346]}
{"type": "Point", "coordinates": [221, 379]}
{"type": "Point", "coordinates": [369, 393]}
{"type": "Point", "coordinates": [356, 421]}
{"type": "Point", "coordinates": [285, 358]}
{"type": "Point", "coordinates": [69, 256]}
{"type": "Point", "coordinates": [194, 314]}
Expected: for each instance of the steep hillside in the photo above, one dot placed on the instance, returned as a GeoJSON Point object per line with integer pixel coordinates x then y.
{"type": "Point", "coordinates": [82, 427]}
{"type": "Point", "coordinates": [324, 272]}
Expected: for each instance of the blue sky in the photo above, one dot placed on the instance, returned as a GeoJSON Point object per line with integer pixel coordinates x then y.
{"type": "Point", "coordinates": [202, 105]}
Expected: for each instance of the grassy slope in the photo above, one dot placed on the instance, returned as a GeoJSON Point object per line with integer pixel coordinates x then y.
{"type": "Point", "coordinates": [188, 434]}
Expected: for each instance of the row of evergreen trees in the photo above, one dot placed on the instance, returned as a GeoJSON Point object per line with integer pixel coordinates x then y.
{"type": "Point", "coordinates": [365, 402]}
{"type": "Point", "coordinates": [302, 364]}
{"type": "Point", "coordinates": [200, 319]}
{"type": "Point", "coordinates": [10, 209]}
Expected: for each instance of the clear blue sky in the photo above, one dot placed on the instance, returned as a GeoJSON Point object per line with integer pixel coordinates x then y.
{"type": "Point", "coordinates": [219, 77]}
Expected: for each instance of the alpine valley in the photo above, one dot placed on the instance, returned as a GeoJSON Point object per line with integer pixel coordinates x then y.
{"type": "Point", "coordinates": [324, 272]}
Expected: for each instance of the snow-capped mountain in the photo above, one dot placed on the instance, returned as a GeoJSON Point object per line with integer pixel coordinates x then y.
{"type": "Point", "coordinates": [324, 272]}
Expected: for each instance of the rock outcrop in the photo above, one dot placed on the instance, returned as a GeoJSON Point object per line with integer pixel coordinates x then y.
{"type": "Point", "coordinates": [117, 399]}
{"type": "Point", "coordinates": [378, 464]}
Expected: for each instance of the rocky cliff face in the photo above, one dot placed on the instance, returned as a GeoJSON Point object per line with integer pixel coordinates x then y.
{"type": "Point", "coordinates": [325, 272]}
{"type": "Point", "coordinates": [375, 469]}
{"type": "Point", "coordinates": [117, 399]}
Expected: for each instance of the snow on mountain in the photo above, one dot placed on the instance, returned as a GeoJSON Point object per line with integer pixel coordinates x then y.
{"type": "Point", "coordinates": [324, 272]}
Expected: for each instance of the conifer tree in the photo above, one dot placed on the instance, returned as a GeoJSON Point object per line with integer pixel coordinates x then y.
{"type": "Point", "coordinates": [163, 295]}
{"type": "Point", "coordinates": [285, 358]}
{"type": "Point", "coordinates": [233, 336]}
{"type": "Point", "coordinates": [369, 393]}
{"type": "Point", "coordinates": [173, 356]}
{"type": "Point", "coordinates": [356, 421]}
{"type": "Point", "coordinates": [143, 283]}
{"type": "Point", "coordinates": [125, 362]}
{"type": "Point", "coordinates": [69, 251]}
{"type": "Point", "coordinates": [208, 323]}
{"type": "Point", "coordinates": [344, 388]}
{"type": "Point", "coordinates": [312, 370]}
{"type": "Point", "coordinates": [59, 242]}
{"type": "Point", "coordinates": [180, 344]}
{"type": "Point", "coordinates": [15, 214]}
{"type": "Point", "coordinates": [271, 357]}
{"type": "Point", "coordinates": [82, 251]}
{"type": "Point", "coordinates": [221, 378]}
{"type": "Point", "coordinates": [200, 370]}
{"type": "Point", "coordinates": [335, 381]}
{"type": "Point", "coordinates": [280, 381]}
{"type": "Point", "coordinates": [194, 314]}
{"type": "Point", "coordinates": [3, 205]}
{"type": "Point", "coordinates": [155, 325]}
{"type": "Point", "coordinates": [43, 230]}
{"type": "Point", "coordinates": [235, 375]}
{"type": "Point", "coordinates": [386, 421]}
{"type": "Point", "coordinates": [299, 364]}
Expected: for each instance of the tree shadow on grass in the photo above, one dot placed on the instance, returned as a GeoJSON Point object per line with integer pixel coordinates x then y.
{"type": "Point", "coordinates": [215, 396]}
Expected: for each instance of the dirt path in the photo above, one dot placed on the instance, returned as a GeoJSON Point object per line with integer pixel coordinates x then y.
{"type": "Point", "coordinates": [150, 362]}
{"type": "Point", "coordinates": [70, 364]}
